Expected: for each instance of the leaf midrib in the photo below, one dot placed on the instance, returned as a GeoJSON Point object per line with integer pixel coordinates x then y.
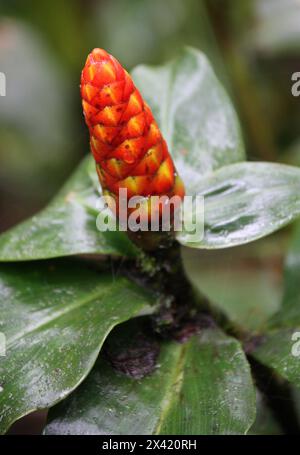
{"type": "Point", "coordinates": [175, 378]}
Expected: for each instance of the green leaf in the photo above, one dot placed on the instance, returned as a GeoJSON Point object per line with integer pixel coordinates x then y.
{"type": "Point", "coordinates": [194, 113]}
{"type": "Point", "coordinates": [55, 317]}
{"type": "Point", "coordinates": [201, 387]}
{"type": "Point", "coordinates": [244, 202]}
{"type": "Point", "coordinates": [279, 347]}
{"type": "Point", "coordinates": [249, 280]}
{"type": "Point", "coordinates": [66, 227]}
{"type": "Point", "coordinates": [275, 349]}
{"type": "Point", "coordinates": [291, 298]}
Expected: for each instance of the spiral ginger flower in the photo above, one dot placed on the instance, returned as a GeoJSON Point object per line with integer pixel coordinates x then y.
{"type": "Point", "coordinates": [126, 143]}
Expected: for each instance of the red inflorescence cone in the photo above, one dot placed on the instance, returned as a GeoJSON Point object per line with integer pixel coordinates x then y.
{"type": "Point", "coordinates": [126, 142]}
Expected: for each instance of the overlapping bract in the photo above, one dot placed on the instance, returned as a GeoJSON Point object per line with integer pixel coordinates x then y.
{"type": "Point", "coordinates": [125, 140]}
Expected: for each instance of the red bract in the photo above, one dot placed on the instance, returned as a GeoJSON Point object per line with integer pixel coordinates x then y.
{"type": "Point", "coordinates": [126, 142]}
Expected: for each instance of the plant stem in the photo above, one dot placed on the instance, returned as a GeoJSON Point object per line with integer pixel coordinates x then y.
{"type": "Point", "coordinates": [180, 311]}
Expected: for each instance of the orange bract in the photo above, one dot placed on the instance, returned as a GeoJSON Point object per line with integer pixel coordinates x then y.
{"type": "Point", "coordinates": [126, 142]}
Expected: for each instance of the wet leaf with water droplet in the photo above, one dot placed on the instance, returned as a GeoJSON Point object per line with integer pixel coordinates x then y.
{"type": "Point", "coordinates": [55, 317]}
{"type": "Point", "coordinates": [244, 202]}
{"type": "Point", "coordinates": [203, 386]}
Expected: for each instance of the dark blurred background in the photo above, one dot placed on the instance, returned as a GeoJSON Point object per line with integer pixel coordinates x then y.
{"type": "Point", "coordinates": [254, 46]}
